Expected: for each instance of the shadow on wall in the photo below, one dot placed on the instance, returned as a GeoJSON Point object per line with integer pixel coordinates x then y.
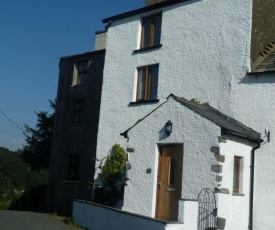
{"type": "Point", "coordinates": [258, 78]}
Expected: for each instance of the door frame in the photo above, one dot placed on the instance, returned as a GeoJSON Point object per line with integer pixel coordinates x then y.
{"type": "Point", "coordinates": [158, 152]}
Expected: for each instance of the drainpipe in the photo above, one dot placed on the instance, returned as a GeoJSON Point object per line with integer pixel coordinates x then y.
{"type": "Point", "coordinates": [252, 185]}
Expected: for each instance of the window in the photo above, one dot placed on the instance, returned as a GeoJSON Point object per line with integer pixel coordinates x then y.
{"type": "Point", "coordinates": [147, 83]}
{"type": "Point", "coordinates": [78, 111]}
{"type": "Point", "coordinates": [171, 172]}
{"type": "Point", "coordinates": [82, 69]}
{"type": "Point", "coordinates": [237, 175]}
{"type": "Point", "coordinates": [73, 167]}
{"type": "Point", "coordinates": [151, 30]}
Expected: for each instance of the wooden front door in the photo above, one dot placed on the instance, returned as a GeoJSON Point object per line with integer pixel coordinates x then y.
{"type": "Point", "coordinates": [169, 182]}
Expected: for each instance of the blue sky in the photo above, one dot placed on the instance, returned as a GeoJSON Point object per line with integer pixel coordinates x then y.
{"type": "Point", "coordinates": [34, 35]}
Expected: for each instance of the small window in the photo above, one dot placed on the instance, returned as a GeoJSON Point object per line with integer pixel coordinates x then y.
{"type": "Point", "coordinates": [73, 167]}
{"type": "Point", "coordinates": [237, 175]}
{"type": "Point", "coordinates": [171, 172]}
{"type": "Point", "coordinates": [151, 31]}
{"type": "Point", "coordinates": [147, 83]}
{"type": "Point", "coordinates": [82, 70]}
{"type": "Point", "coordinates": [78, 111]}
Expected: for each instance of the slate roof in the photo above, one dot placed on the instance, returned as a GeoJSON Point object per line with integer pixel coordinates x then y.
{"type": "Point", "coordinates": [231, 125]}
{"type": "Point", "coordinates": [266, 60]}
{"type": "Point", "coordinates": [142, 10]}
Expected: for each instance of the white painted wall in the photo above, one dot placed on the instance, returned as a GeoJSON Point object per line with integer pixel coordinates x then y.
{"type": "Point", "coordinates": [253, 103]}
{"type": "Point", "coordinates": [197, 135]}
{"type": "Point", "coordinates": [205, 54]}
{"type": "Point", "coordinates": [204, 46]}
{"type": "Point", "coordinates": [233, 208]}
{"type": "Point", "coordinates": [188, 211]}
{"type": "Point", "coordinates": [98, 217]}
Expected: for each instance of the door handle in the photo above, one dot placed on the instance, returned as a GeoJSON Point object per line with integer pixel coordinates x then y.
{"type": "Point", "coordinates": [159, 185]}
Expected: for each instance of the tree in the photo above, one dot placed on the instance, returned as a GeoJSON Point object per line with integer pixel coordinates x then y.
{"type": "Point", "coordinates": [37, 151]}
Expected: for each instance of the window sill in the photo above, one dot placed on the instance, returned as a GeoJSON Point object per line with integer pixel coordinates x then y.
{"type": "Point", "coordinates": [144, 102]}
{"type": "Point", "coordinates": [237, 194]}
{"type": "Point", "coordinates": [147, 48]}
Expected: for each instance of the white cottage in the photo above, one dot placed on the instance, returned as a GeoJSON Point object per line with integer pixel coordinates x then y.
{"type": "Point", "coordinates": [170, 167]}
{"type": "Point", "coordinates": [216, 51]}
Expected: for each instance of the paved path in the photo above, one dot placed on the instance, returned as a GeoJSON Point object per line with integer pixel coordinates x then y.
{"type": "Point", "coordinates": [17, 220]}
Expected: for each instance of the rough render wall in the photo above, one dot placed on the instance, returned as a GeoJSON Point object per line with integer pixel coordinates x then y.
{"type": "Point", "coordinates": [92, 216]}
{"type": "Point", "coordinates": [235, 209]}
{"type": "Point", "coordinates": [209, 62]}
{"type": "Point", "coordinates": [263, 26]}
{"type": "Point", "coordinates": [202, 66]}
{"type": "Point", "coordinates": [197, 135]}
{"type": "Point", "coordinates": [253, 104]}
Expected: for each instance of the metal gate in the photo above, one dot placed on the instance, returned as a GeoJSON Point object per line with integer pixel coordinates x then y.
{"type": "Point", "coordinates": [207, 213]}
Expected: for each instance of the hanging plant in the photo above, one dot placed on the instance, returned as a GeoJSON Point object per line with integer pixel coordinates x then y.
{"type": "Point", "coordinates": [109, 185]}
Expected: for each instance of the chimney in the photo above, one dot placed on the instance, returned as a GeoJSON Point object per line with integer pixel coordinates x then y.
{"type": "Point", "coordinates": [100, 40]}
{"type": "Point", "coordinates": [152, 2]}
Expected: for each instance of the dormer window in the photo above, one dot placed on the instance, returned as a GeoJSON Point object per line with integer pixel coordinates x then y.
{"type": "Point", "coordinates": [151, 31]}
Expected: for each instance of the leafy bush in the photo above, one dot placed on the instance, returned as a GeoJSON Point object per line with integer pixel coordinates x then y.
{"type": "Point", "coordinates": [109, 185]}
{"type": "Point", "coordinates": [14, 178]}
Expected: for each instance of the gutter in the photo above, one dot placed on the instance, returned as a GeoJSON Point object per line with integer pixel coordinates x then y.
{"type": "Point", "coordinates": [108, 25]}
{"type": "Point", "coordinates": [251, 195]}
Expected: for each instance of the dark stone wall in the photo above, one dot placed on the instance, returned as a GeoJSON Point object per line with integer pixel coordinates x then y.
{"type": "Point", "coordinates": [263, 26]}
{"type": "Point", "coordinates": [75, 139]}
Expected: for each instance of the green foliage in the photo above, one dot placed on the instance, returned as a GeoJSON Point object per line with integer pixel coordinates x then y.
{"type": "Point", "coordinates": [31, 200]}
{"type": "Point", "coordinates": [37, 151]}
{"type": "Point", "coordinates": [196, 101]}
{"type": "Point", "coordinates": [13, 177]}
{"type": "Point", "coordinates": [109, 185]}
{"type": "Point", "coordinates": [67, 220]}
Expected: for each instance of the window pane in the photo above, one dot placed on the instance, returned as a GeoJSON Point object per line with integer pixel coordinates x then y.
{"type": "Point", "coordinates": [236, 175]}
{"type": "Point", "coordinates": [146, 32]}
{"type": "Point", "coordinates": [154, 71]}
{"type": "Point", "coordinates": [82, 78]}
{"type": "Point", "coordinates": [157, 30]}
{"type": "Point", "coordinates": [171, 179]}
{"type": "Point", "coordinates": [82, 66]}
{"type": "Point", "coordinates": [73, 167]}
{"type": "Point", "coordinates": [78, 111]}
{"type": "Point", "coordinates": [141, 83]}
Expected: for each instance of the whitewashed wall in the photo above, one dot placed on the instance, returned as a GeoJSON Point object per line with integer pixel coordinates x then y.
{"type": "Point", "coordinates": [98, 217]}
{"type": "Point", "coordinates": [253, 103]}
{"type": "Point", "coordinates": [205, 44]}
{"type": "Point", "coordinates": [205, 54]}
{"type": "Point", "coordinates": [197, 135]}
{"type": "Point", "coordinates": [235, 208]}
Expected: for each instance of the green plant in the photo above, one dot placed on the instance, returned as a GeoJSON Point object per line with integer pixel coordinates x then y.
{"type": "Point", "coordinates": [67, 220]}
{"type": "Point", "coordinates": [109, 185]}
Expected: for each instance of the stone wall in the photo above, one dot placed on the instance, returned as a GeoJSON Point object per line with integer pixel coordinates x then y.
{"type": "Point", "coordinates": [263, 26]}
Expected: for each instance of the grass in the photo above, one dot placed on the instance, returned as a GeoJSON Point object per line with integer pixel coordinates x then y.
{"type": "Point", "coordinates": [67, 220]}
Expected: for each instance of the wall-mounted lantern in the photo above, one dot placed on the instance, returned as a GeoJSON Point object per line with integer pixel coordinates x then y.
{"type": "Point", "coordinates": [168, 127]}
